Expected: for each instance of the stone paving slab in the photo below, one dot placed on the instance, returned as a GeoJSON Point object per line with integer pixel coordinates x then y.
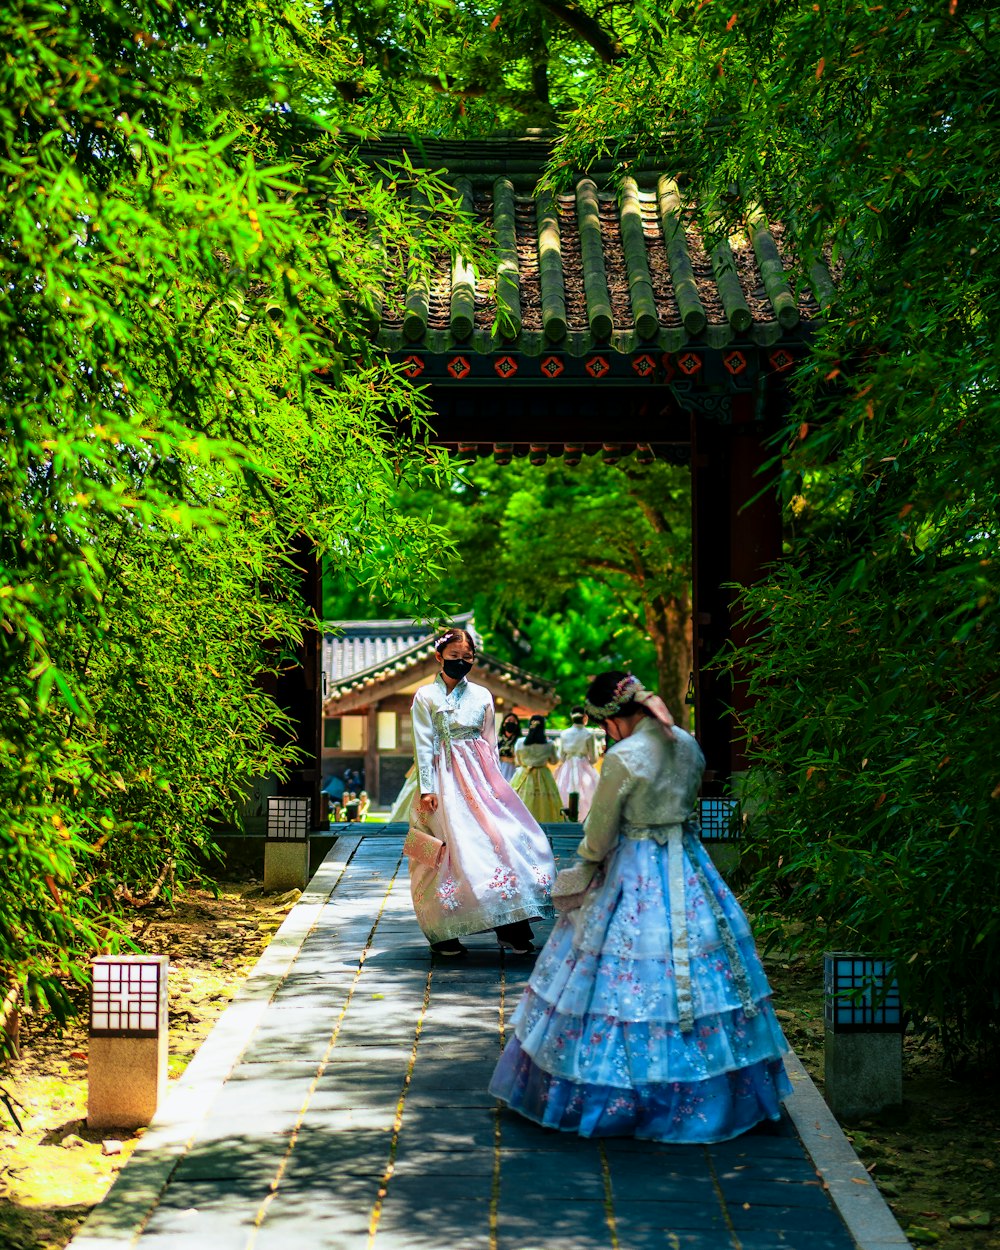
{"type": "Point", "coordinates": [340, 1104]}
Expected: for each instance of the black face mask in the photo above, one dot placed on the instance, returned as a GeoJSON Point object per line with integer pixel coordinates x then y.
{"type": "Point", "coordinates": [457, 669]}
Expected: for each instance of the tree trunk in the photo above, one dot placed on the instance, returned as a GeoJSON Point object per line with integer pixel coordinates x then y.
{"type": "Point", "coordinates": [573, 15]}
{"type": "Point", "coordinates": [668, 623]}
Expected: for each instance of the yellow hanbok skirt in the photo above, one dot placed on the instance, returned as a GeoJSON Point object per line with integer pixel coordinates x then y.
{"type": "Point", "coordinates": [537, 790]}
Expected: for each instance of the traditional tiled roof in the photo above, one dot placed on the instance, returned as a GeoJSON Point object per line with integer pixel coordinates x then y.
{"type": "Point", "coordinates": [360, 646]}
{"type": "Point", "coordinates": [621, 270]}
{"type": "Point", "coordinates": [364, 653]}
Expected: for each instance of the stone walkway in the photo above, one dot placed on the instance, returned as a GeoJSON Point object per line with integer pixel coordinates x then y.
{"type": "Point", "coordinates": [340, 1104]}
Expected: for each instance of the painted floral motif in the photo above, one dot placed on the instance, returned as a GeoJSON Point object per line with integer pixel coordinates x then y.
{"type": "Point", "coordinates": [447, 893]}
{"type": "Point", "coordinates": [543, 879]}
{"type": "Point", "coordinates": [503, 882]}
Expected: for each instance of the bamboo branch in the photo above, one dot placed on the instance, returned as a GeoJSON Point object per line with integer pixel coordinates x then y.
{"type": "Point", "coordinates": [135, 900]}
{"type": "Point", "coordinates": [10, 1026]}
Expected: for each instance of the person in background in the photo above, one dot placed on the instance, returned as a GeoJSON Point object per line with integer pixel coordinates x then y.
{"type": "Point", "coordinates": [364, 803]}
{"type": "Point", "coordinates": [533, 780]}
{"type": "Point", "coordinates": [330, 796]}
{"type": "Point", "coordinates": [576, 773]}
{"type": "Point", "coordinates": [648, 1013]}
{"type": "Point", "coordinates": [497, 867]}
{"type": "Point", "coordinates": [334, 787]}
{"type": "Point", "coordinates": [400, 810]}
{"type": "Point", "coordinates": [510, 732]}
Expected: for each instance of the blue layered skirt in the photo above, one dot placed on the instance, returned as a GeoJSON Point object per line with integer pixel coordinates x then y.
{"type": "Point", "coordinates": [602, 1042]}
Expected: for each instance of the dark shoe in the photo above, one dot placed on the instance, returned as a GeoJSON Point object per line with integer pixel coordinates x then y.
{"type": "Point", "coordinates": [451, 947]}
{"type": "Point", "coordinates": [516, 938]}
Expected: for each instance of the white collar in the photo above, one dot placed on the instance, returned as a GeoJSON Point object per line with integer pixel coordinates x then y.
{"type": "Point", "coordinates": [458, 690]}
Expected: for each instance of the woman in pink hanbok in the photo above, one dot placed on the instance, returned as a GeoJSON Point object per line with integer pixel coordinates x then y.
{"type": "Point", "coordinates": [497, 868]}
{"type": "Point", "coordinates": [576, 773]}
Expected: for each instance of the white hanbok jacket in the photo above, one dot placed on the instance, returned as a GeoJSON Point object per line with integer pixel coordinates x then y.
{"type": "Point", "coordinates": [498, 866]}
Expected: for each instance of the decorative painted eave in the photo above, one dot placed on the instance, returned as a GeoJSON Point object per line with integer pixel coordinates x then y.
{"type": "Point", "coordinates": [598, 284]}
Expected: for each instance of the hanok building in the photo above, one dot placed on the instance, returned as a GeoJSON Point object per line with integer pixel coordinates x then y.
{"type": "Point", "coordinates": [625, 334]}
{"type": "Point", "coordinates": [371, 670]}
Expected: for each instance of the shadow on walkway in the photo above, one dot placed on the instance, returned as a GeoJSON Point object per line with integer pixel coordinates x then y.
{"type": "Point", "coordinates": [356, 1115]}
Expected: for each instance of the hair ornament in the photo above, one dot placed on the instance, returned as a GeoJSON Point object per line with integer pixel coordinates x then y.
{"type": "Point", "coordinates": [628, 689]}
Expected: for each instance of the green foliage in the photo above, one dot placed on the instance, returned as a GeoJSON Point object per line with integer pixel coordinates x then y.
{"type": "Point", "coordinates": [186, 388]}
{"type": "Point", "coordinates": [476, 68]}
{"type": "Point", "coordinates": [874, 135]}
{"type": "Point", "coordinates": [875, 794]}
{"type": "Point", "coordinates": [569, 570]}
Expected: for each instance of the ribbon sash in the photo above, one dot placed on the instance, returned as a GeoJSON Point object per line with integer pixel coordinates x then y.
{"type": "Point", "coordinates": [678, 927]}
{"type": "Point", "coordinates": [445, 733]}
{"type": "Point", "coordinates": [673, 837]}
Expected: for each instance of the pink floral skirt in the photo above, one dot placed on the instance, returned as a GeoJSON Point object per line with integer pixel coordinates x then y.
{"type": "Point", "coordinates": [579, 775]}
{"type": "Point", "coordinates": [498, 865]}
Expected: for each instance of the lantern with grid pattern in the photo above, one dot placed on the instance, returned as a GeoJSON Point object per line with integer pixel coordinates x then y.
{"type": "Point", "coordinates": [719, 820]}
{"type": "Point", "coordinates": [128, 995]}
{"type": "Point", "coordinates": [288, 818]}
{"type": "Point", "coordinates": [861, 994]}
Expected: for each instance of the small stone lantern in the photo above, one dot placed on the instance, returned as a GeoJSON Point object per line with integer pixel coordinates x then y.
{"type": "Point", "coordinates": [719, 826]}
{"type": "Point", "coordinates": [127, 1055]}
{"type": "Point", "coordinates": [863, 1051]}
{"type": "Point", "coordinates": [286, 851]}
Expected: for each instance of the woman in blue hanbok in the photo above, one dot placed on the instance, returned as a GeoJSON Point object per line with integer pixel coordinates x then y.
{"type": "Point", "coordinates": [648, 1013]}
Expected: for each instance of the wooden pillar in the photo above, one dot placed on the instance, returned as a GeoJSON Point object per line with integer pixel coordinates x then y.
{"type": "Point", "coordinates": [710, 563]}
{"type": "Point", "coordinates": [734, 541]}
{"type": "Point", "coordinates": [371, 752]}
{"type": "Point", "coordinates": [299, 687]}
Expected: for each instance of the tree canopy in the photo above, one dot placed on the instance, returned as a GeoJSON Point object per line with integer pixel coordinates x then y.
{"type": "Point", "coordinates": [569, 570]}
{"type": "Point", "coordinates": [187, 384]}
{"type": "Point", "coordinates": [475, 67]}
{"type": "Point", "coordinates": [185, 378]}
